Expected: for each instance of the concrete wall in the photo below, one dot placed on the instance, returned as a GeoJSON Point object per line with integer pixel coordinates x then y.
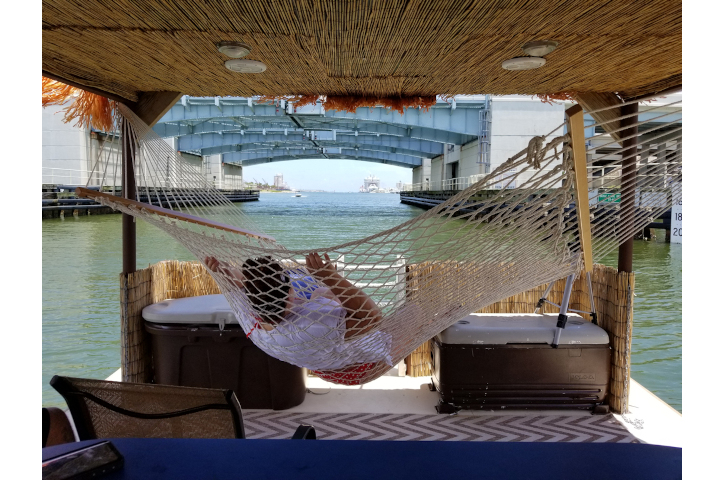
{"type": "Point", "coordinates": [232, 176]}
{"type": "Point", "coordinates": [70, 153]}
{"type": "Point", "coordinates": [195, 161]}
{"type": "Point", "coordinates": [104, 161]}
{"type": "Point", "coordinates": [222, 175]}
{"type": "Point", "coordinates": [436, 171]}
{"type": "Point", "coordinates": [420, 174]}
{"type": "Point", "coordinates": [66, 149]}
{"type": "Point", "coordinates": [469, 160]}
{"type": "Point", "coordinates": [515, 120]}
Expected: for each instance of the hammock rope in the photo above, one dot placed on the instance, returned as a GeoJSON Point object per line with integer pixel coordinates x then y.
{"type": "Point", "coordinates": [480, 246]}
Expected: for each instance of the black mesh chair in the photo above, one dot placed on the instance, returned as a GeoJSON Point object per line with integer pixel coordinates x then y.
{"type": "Point", "coordinates": [104, 409]}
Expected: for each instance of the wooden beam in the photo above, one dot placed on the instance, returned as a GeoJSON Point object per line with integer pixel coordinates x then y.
{"type": "Point", "coordinates": [575, 124]}
{"type": "Point", "coordinates": [73, 83]}
{"type": "Point", "coordinates": [151, 106]}
{"type": "Point", "coordinates": [595, 101]}
{"type": "Point", "coordinates": [165, 212]}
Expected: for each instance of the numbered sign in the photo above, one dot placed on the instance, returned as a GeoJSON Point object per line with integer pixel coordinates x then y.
{"type": "Point", "coordinates": [676, 227]}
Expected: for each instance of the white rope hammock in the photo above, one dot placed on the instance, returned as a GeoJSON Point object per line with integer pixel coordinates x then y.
{"type": "Point", "coordinates": [384, 295]}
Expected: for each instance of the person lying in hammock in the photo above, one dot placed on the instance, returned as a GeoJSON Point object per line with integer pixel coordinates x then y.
{"type": "Point", "coordinates": [332, 330]}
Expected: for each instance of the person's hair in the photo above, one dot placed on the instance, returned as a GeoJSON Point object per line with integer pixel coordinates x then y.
{"type": "Point", "coordinates": [267, 287]}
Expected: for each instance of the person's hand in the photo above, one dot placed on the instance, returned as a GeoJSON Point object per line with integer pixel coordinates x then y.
{"type": "Point", "coordinates": [211, 263]}
{"type": "Point", "coordinates": [216, 266]}
{"type": "Point", "coordinates": [320, 268]}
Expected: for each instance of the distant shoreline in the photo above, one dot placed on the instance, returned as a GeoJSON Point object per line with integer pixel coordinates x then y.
{"type": "Point", "coordinates": [300, 191]}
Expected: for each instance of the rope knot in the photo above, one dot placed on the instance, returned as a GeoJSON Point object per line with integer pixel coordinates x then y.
{"type": "Point", "coordinates": [535, 151]}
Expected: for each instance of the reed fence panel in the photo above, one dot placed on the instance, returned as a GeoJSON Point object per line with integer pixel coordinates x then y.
{"type": "Point", "coordinates": [613, 296]}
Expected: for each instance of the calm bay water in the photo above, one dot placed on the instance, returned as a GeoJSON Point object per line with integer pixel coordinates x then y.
{"type": "Point", "coordinates": [82, 260]}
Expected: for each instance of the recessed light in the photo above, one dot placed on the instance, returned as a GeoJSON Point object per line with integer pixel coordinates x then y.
{"type": "Point", "coordinates": [523, 63]}
{"type": "Point", "coordinates": [234, 49]}
{"type": "Point", "coordinates": [539, 48]}
{"type": "Point", "coordinates": [245, 66]}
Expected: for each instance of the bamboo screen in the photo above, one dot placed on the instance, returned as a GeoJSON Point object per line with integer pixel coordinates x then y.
{"type": "Point", "coordinates": [613, 295]}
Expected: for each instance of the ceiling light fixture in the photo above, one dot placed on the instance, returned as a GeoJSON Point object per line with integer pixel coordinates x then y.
{"type": "Point", "coordinates": [234, 49]}
{"type": "Point", "coordinates": [245, 66]}
{"type": "Point", "coordinates": [523, 63]}
{"type": "Point", "coordinates": [539, 48]}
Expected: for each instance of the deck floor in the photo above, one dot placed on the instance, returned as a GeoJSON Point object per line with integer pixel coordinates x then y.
{"type": "Point", "coordinates": [403, 408]}
{"type": "Point", "coordinates": [414, 427]}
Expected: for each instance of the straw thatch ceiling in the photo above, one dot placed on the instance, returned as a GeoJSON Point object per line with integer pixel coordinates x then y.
{"type": "Point", "coordinates": [363, 47]}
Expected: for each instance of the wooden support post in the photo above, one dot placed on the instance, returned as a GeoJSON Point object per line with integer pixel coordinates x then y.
{"type": "Point", "coordinates": [629, 185]}
{"type": "Point", "coordinates": [151, 106]}
{"type": "Point", "coordinates": [575, 124]}
{"type": "Point", "coordinates": [128, 186]}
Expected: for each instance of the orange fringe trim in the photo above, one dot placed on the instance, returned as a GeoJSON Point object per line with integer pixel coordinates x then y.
{"type": "Point", "coordinates": [550, 98]}
{"type": "Point", "coordinates": [89, 109]}
{"type": "Point", "coordinates": [346, 103]}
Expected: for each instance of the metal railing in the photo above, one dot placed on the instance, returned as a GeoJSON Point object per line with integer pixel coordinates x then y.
{"type": "Point", "coordinates": [460, 183]}
{"type": "Point", "coordinates": [68, 176]}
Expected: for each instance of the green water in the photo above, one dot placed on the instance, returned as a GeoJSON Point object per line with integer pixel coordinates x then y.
{"type": "Point", "coordinates": [82, 260]}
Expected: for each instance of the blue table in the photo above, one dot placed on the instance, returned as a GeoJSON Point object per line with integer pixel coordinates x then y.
{"type": "Point", "coordinates": [375, 460]}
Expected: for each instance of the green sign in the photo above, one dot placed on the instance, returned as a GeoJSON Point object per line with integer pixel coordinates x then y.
{"type": "Point", "coordinates": [609, 197]}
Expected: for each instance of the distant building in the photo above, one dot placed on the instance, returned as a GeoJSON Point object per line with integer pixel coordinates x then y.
{"type": "Point", "coordinates": [371, 184]}
{"type": "Point", "coordinates": [279, 181]}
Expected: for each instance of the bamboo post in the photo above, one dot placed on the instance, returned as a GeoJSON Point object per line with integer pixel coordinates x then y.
{"type": "Point", "coordinates": [135, 347]}
{"type": "Point", "coordinates": [575, 123]}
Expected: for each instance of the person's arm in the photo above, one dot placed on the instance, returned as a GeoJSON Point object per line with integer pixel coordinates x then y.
{"type": "Point", "coordinates": [362, 312]}
{"type": "Point", "coordinates": [234, 274]}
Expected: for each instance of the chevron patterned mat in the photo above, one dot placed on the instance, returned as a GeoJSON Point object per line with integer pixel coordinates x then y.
{"type": "Point", "coordinates": [410, 427]}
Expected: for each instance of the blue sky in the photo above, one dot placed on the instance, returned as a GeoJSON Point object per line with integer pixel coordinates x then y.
{"type": "Point", "coordinates": [329, 175]}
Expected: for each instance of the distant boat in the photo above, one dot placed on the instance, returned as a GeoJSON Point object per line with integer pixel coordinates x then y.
{"type": "Point", "coordinates": [298, 194]}
{"type": "Point", "coordinates": [371, 184]}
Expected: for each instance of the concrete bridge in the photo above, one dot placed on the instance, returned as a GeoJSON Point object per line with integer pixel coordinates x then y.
{"type": "Point", "coordinates": [246, 132]}
{"type": "Point", "coordinates": [447, 147]}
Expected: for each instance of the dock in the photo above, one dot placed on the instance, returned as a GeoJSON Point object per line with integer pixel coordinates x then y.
{"type": "Point", "coordinates": [60, 200]}
{"type": "Point", "coordinates": [403, 408]}
{"type": "Point", "coordinates": [430, 199]}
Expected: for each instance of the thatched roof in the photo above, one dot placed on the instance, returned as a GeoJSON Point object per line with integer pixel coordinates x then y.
{"type": "Point", "coordinates": [363, 47]}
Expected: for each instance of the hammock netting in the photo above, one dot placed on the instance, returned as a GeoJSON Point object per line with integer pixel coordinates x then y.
{"type": "Point", "coordinates": [513, 230]}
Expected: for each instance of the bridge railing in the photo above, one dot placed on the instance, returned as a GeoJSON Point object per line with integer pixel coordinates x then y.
{"type": "Point", "coordinates": [451, 184]}
{"type": "Point", "coordinates": [69, 176]}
